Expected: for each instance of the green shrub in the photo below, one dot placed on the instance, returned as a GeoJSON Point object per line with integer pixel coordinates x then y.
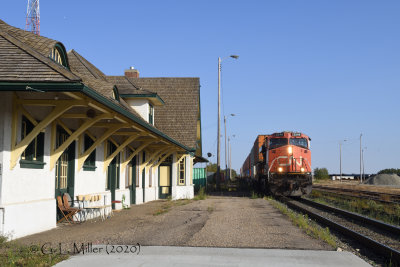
{"type": "Point", "coordinates": [321, 173]}
{"type": "Point", "coordinates": [201, 195]}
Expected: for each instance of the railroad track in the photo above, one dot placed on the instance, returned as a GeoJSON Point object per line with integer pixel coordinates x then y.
{"type": "Point", "coordinates": [378, 196]}
{"type": "Point", "coordinates": [382, 238]}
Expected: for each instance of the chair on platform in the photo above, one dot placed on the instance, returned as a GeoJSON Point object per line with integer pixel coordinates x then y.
{"type": "Point", "coordinates": [73, 210]}
{"type": "Point", "coordinates": [67, 213]}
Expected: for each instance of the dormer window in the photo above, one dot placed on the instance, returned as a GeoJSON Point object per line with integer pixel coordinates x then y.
{"type": "Point", "coordinates": [58, 55]}
{"type": "Point", "coordinates": [151, 114]}
{"type": "Point", "coordinates": [115, 94]}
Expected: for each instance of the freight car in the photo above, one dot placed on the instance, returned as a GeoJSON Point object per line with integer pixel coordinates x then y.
{"type": "Point", "coordinates": [280, 164]}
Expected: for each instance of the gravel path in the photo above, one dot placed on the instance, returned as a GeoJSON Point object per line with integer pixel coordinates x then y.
{"type": "Point", "coordinates": [216, 222]}
{"type": "Point", "coordinates": [243, 222]}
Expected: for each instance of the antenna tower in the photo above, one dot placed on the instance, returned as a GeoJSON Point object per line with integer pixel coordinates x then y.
{"type": "Point", "coordinates": [33, 17]}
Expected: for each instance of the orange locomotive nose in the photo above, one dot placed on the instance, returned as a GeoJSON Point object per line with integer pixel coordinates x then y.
{"type": "Point", "coordinates": [280, 163]}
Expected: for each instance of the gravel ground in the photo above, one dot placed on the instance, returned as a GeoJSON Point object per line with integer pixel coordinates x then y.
{"type": "Point", "coordinates": [384, 179]}
{"type": "Point", "coordinates": [372, 232]}
{"type": "Point", "coordinates": [351, 245]}
{"type": "Point", "coordinates": [215, 222]}
{"type": "Point", "coordinates": [243, 222]}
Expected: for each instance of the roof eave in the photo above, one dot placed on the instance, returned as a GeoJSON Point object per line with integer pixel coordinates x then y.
{"type": "Point", "coordinates": [155, 99]}
{"type": "Point", "coordinates": [79, 87]}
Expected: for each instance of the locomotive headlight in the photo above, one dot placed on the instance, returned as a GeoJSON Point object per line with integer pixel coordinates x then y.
{"type": "Point", "coordinates": [290, 150]}
{"type": "Point", "coordinates": [302, 169]}
{"type": "Point", "coordinates": [280, 169]}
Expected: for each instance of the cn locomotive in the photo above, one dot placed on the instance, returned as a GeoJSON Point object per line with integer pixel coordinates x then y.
{"type": "Point", "coordinates": [280, 164]}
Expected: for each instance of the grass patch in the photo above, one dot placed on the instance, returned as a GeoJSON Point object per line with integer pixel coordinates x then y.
{"type": "Point", "coordinates": [210, 209]}
{"type": "Point", "coordinates": [310, 227]}
{"type": "Point", "coordinates": [387, 212]}
{"type": "Point", "coordinates": [169, 204]}
{"type": "Point", "coordinates": [254, 195]}
{"type": "Point", "coordinates": [15, 254]}
{"type": "Point", "coordinates": [201, 195]}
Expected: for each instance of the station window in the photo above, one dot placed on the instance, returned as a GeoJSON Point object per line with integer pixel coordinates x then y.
{"type": "Point", "coordinates": [181, 172]}
{"type": "Point", "coordinates": [90, 162]}
{"type": "Point", "coordinates": [32, 157]}
{"type": "Point", "coordinates": [56, 56]}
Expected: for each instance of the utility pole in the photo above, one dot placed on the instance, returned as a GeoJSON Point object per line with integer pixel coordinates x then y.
{"type": "Point", "coordinates": [226, 167]}
{"type": "Point", "coordinates": [227, 148]}
{"type": "Point", "coordinates": [219, 123]}
{"type": "Point", "coordinates": [33, 17]}
{"type": "Point", "coordinates": [362, 157]}
{"type": "Point", "coordinates": [340, 158]}
{"type": "Point", "coordinates": [230, 161]}
{"type": "Point", "coordinates": [360, 160]}
{"type": "Point", "coordinates": [219, 126]}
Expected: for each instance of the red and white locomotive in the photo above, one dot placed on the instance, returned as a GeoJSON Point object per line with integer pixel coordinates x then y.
{"type": "Point", "coordinates": [280, 164]}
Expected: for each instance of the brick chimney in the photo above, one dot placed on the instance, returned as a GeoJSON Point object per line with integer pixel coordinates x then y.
{"type": "Point", "coordinates": [132, 73]}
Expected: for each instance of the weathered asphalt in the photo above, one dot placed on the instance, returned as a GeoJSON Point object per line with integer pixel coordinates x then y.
{"type": "Point", "coordinates": [219, 222]}
{"type": "Point", "coordinates": [215, 222]}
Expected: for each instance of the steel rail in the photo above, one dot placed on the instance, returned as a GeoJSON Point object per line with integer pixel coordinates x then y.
{"type": "Point", "coordinates": [382, 225]}
{"type": "Point", "coordinates": [349, 194]}
{"type": "Point", "coordinates": [382, 249]}
{"type": "Point", "coordinates": [394, 197]}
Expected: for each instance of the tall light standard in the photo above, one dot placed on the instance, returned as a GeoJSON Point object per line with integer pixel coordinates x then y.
{"type": "Point", "coordinates": [360, 160]}
{"type": "Point", "coordinates": [340, 145]}
{"type": "Point", "coordinates": [226, 161]}
{"type": "Point", "coordinates": [219, 121]}
{"type": "Point", "coordinates": [230, 156]}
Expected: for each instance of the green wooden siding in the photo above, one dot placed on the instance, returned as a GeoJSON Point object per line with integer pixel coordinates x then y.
{"type": "Point", "coordinates": [199, 178]}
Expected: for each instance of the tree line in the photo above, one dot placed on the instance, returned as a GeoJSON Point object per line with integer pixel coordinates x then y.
{"type": "Point", "coordinates": [322, 173]}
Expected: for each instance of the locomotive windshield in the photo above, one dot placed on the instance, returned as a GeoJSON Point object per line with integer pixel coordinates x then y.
{"type": "Point", "coordinates": [277, 142]}
{"type": "Point", "coordinates": [301, 142]}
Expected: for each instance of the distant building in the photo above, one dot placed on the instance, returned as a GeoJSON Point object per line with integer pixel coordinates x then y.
{"type": "Point", "coordinates": [348, 176]}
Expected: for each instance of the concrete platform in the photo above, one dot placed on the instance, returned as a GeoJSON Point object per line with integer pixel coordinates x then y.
{"type": "Point", "coordinates": [102, 255]}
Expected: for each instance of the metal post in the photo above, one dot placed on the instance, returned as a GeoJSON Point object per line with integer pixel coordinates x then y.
{"type": "Point", "coordinates": [230, 160]}
{"type": "Point", "coordinates": [363, 165]}
{"type": "Point", "coordinates": [340, 145]}
{"type": "Point", "coordinates": [362, 160]}
{"type": "Point", "coordinates": [361, 178]}
{"type": "Point", "coordinates": [219, 122]}
{"type": "Point", "coordinates": [226, 164]}
{"type": "Point", "coordinates": [219, 126]}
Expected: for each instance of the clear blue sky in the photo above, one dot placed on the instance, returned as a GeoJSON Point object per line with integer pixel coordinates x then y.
{"type": "Point", "coordinates": [330, 69]}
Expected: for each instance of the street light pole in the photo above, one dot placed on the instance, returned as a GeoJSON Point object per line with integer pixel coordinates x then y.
{"type": "Point", "coordinates": [218, 178]}
{"type": "Point", "coordinates": [361, 178]}
{"type": "Point", "coordinates": [362, 158]}
{"type": "Point", "coordinates": [227, 148]}
{"type": "Point", "coordinates": [219, 126]}
{"type": "Point", "coordinates": [230, 160]}
{"type": "Point", "coordinates": [230, 156]}
{"type": "Point", "coordinates": [226, 167]}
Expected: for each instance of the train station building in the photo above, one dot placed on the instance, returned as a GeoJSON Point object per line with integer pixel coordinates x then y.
{"type": "Point", "coordinates": [108, 141]}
